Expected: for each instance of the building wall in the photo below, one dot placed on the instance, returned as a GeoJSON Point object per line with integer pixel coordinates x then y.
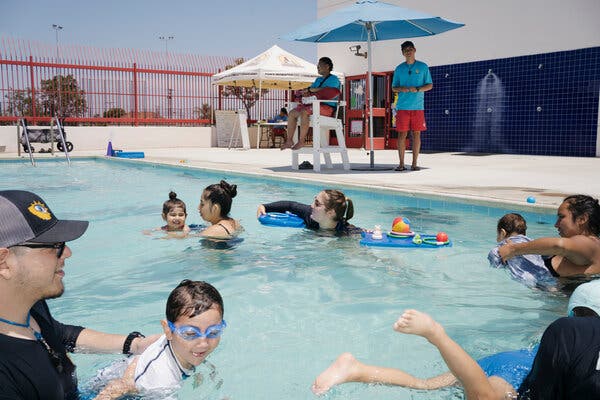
{"type": "Point", "coordinates": [493, 29]}
{"type": "Point", "coordinates": [520, 77]}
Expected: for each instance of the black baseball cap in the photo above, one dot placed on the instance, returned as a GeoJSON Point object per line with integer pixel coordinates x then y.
{"type": "Point", "coordinates": [25, 217]}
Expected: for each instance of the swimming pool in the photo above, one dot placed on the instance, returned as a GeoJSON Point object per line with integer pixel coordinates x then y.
{"type": "Point", "coordinates": [294, 300]}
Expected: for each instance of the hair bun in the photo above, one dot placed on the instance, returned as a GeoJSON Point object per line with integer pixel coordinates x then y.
{"type": "Point", "coordinates": [231, 190]}
{"type": "Point", "coordinates": [172, 195]}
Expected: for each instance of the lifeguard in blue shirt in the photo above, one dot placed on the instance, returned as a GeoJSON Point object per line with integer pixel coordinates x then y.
{"type": "Point", "coordinates": [304, 111]}
{"type": "Point", "coordinates": [411, 80]}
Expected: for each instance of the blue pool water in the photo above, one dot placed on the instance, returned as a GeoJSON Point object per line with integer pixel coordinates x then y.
{"type": "Point", "coordinates": [294, 299]}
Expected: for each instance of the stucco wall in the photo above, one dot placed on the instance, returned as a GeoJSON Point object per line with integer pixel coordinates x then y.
{"type": "Point", "coordinates": [494, 29]}
{"type": "Point", "coordinates": [125, 138]}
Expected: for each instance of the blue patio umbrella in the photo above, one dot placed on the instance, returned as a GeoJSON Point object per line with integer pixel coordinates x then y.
{"type": "Point", "coordinates": [370, 20]}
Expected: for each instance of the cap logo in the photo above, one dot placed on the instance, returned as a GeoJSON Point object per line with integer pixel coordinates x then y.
{"type": "Point", "coordinates": [40, 210]}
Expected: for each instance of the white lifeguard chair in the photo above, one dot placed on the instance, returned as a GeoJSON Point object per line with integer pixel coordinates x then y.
{"type": "Point", "coordinates": [321, 126]}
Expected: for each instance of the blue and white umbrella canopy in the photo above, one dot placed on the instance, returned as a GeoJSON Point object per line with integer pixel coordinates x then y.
{"type": "Point", "coordinates": [387, 21]}
{"type": "Point", "coordinates": [367, 21]}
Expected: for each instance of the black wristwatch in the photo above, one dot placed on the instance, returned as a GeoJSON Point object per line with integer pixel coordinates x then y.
{"type": "Point", "coordinates": [127, 343]}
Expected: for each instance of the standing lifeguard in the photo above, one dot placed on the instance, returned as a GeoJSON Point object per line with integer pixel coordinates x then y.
{"type": "Point", "coordinates": [411, 79]}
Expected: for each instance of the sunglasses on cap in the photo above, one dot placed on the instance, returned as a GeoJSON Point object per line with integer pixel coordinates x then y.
{"type": "Point", "coordinates": [189, 332]}
{"type": "Point", "coordinates": [60, 247]}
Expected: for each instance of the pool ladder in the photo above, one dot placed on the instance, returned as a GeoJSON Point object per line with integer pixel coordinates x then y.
{"type": "Point", "coordinates": [55, 122]}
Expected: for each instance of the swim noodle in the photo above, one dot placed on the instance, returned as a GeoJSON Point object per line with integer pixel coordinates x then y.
{"type": "Point", "coordinates": [282, 219]}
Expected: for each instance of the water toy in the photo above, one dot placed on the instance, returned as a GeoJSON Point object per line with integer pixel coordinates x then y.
{"type": "Point", "coordinates": [513, 366]}
{"type": "Point", "coordinates": [377, 234]}
{"type": "Point", "coordinates": [401, 225]}
{"type": "Point", "coordinates": [129, 154]}
{"type": "Point", "coordinates": [417, 240]}
{"type": "Point", "coordinates": [282, 219]}
{"type": "Point", "coordinates": [531, 199]}
{"type": "Point", "coordinates": [441, 237]}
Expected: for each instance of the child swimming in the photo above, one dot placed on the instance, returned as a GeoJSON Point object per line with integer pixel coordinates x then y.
{"type": "Point", "coordinates": [528, 268]}
{"type": "Point", "coordinates": [192, 330]}
{"type": "Point", "coordinates": [214, 207]}
{"type": "Point", "coordinates": [174, 214]}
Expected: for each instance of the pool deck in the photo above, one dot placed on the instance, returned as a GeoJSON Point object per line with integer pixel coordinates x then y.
{"type": "Point", "coordinates": [484, 178]}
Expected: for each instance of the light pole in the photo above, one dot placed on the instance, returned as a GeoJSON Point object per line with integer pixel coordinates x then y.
{"type": "Point", "coordinates": [166, 39]}
{"type": "Point", "coordinates": [57, 28]}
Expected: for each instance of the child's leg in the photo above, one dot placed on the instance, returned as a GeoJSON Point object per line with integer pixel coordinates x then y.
{"type": "Point", "coordinates": [348, 369]}
{"type": "Point", "coordinates": [468, 372]}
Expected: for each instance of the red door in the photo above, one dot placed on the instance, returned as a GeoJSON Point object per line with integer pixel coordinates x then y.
{"type": "Point", "coordinates": [357, 115]}
{"type": "Point", "coordinates": [356, 95]}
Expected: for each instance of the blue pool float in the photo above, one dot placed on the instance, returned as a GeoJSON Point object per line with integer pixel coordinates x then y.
{"type": "Point", "coordinates": [420, 241]}
{"type": "Point", "coordinates": [129, 154]}
{"type": "Point", "coordinates": [282, 219]}
{"type": "Point", "coordinates": [512, 366]}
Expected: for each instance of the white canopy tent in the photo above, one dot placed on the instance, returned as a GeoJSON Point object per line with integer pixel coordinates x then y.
{"type": "Point", "coordinates": [273, 69]}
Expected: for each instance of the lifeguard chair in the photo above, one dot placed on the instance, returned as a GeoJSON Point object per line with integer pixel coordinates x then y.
{"type": "Point", "coordinates": [321, 126]}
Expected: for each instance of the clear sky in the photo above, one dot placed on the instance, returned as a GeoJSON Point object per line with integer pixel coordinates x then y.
{"type": "Point", "coordinates": [242, 28]}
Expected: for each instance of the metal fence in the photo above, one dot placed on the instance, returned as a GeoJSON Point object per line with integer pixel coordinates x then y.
{"type": "Point", "coordinates": [95, 86]}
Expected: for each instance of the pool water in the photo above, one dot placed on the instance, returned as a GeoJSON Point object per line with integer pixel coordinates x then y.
{"type": "Point", "coordinates": [294, 299]}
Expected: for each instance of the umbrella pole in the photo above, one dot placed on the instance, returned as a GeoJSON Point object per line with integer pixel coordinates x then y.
{"type": "Point", "coordinates": [260, 111]}
{"type": "Point", "coordinates": [370, 83]}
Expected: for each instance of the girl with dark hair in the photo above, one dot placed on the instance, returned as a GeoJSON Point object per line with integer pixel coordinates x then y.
{"type": "Point", "coordinates": [174, 214]}
{"type": "Point", "coordinates": [214, 207]}
{"type": "Point", "coordinates": [330, 210]}
{"type": "Point", "coordinates": [577, 251]}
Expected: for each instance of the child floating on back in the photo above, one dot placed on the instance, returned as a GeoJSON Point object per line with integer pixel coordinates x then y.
{"type": "Point", "coordinates": [192, 330]}
{"type": "Point", "coordinates": [529, 268]}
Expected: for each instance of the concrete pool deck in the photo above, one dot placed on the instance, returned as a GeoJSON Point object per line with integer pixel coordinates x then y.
{"type": "Point", "coordinates": [505, 178]}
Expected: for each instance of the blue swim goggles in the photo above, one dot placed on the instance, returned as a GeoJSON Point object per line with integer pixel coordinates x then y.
{"type": "Point", "coordinates": [189, 332]}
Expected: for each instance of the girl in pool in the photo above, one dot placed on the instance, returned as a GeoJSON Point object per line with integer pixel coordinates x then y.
{"type": "Point", "coordinates": [174, 214]}
{"type": "Point", "coordinates": [577, 251]}
{"type": "Point", "coordinates": [192, 330]}
{"type": "Point", "coordinates": [330, 210]}
{"type": "Point", "coordinates": [214, 207]}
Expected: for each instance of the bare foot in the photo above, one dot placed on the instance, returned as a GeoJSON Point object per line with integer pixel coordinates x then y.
{"type": "Point", "coordinates": [340, 371]}
{"type": "Point", "coordinates": [298, 145]}
{"type": "Point", "coordinates": [286, 145]}
{"type": "Point", "coordinates": [415, 168]}
{"type": "Point", "coordinates": [417, 323]}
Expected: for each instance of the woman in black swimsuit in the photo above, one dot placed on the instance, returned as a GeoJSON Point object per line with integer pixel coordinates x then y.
{"type": "Point", "coordinates": [330, 210]}
{"type": "Point", "coordinates": [214, 207]}
{"type": "Point", "coordinates": [577, 251]}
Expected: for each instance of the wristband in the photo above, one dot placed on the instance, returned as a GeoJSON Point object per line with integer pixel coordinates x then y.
{"type": "Point", "coordinates": [129, 339]}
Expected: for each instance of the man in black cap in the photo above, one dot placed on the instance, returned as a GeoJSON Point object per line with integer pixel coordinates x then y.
{"type": "Point", "coordinates": [33, 345]}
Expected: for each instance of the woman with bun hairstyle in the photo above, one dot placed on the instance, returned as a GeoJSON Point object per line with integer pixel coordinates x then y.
{"type": "Point", "coordinates": [214, 207]}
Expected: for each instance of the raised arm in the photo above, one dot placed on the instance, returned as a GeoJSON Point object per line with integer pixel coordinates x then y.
{"type": "Point", "coordinates": [91, 341]}
{"type": "Point", "coordinates": [580, 250]}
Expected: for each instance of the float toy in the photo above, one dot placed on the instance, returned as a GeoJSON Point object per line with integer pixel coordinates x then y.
{"type": "Point", "coordinates": [286, 219]}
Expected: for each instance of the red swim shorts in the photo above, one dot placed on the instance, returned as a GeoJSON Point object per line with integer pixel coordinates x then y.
{"type": "Point", "coordinates": [410, 120]}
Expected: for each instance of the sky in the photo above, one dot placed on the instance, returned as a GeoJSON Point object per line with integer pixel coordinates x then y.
{"type": "Point", "coordinates": [239, 28]}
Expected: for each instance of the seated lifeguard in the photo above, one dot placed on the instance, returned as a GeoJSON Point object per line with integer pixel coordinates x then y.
{"type": "Point", "coordinates": [303, 111]}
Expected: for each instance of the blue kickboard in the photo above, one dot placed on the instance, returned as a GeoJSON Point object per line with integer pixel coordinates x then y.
{"type": "Point", "coordinates": [429, 241]}
{"type": "Point", "coordinates": [129, 154]}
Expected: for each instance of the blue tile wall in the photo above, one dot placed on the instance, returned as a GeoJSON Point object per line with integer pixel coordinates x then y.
{"type": "Point", "coordinates": [543, 104]}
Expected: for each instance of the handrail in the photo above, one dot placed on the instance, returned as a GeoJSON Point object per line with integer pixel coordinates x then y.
{"type": "Point", "coordinates": [62, 138]}
{"type": "Point", "coordinates": [23, 124]}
